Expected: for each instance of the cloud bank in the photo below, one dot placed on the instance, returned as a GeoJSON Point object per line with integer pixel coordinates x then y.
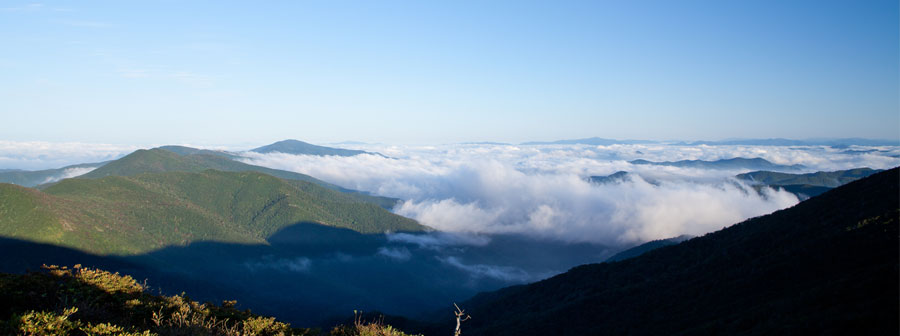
{"type": "Point", "coordinates": [36, 155]}
{"type": "Point", "coordinates": [542, 191]}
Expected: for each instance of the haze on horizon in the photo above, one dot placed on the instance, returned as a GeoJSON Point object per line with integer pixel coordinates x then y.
{"type": "Point", "coordinates": [207, 73]}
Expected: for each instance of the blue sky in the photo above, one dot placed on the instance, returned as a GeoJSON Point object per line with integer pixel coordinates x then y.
{"type": "Point", "coordinates": [217, 72]}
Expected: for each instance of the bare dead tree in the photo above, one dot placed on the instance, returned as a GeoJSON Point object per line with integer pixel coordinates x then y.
{"type": "Point", "coordinates": [461, 317]}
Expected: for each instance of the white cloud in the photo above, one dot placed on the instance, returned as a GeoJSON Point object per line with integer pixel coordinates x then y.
{"type": "Point", "coordinates": [541, 190]}
{"type": "Point", "coordinates": [503, 273]}
{"type": "Point", "coordinates": [69, 173]}
{"type": "Point", "coordinates": [296, 265]}
{"type": "Point", "coordinates": [33, 155]}
{"type": "Point", "coordinates": [396, 253]}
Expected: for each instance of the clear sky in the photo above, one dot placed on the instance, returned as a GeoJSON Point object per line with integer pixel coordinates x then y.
{"type": "Point", "coordinates": [227, 72]}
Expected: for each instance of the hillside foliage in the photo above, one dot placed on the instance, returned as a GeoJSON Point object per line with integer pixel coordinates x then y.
{"type": "Point", "coordinates": [131, 215]}
{"type": "Point", "coordinates": [84, 301]}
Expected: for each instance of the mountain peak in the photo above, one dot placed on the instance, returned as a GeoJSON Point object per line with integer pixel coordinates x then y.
{"type": "Point", "coordinates": [297, 147]}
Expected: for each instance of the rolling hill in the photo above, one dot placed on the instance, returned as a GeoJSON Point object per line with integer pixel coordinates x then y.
{"type": "Point", "coordinates": [186, 159]}
{"type": "Point", "coordinates": [822, 179]}
{"type": "Point", "coordinates": [825, 266]}
{"type": "Point", "coordinates": [135, 214]}
{"type": "Point", "coordinates": [806, 185]}
{"type": "Point", "coordinates": [297, 147]}
{"type": "Point", "coordinates": [31, 178]}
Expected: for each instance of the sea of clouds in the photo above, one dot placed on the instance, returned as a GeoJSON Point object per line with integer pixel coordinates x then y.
{"type": "Point", "coordinates": [542, 190]}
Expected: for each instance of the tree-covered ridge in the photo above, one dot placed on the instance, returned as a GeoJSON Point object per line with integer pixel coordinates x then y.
{"type": "Point", "coordinates": [805, 185]}
{"type": "Point", "coordinates": [31, 178]}
{"type": "Point", "coordinates": [826, 266]}
{"type": "Point", "coordinates": [84, 301]}
{"type": "Point", "coordinates": [186, 159]}
{"type": "Point", "coordinates": [831, 179]}
{"type": "Point", "coordinates": [137, 214]}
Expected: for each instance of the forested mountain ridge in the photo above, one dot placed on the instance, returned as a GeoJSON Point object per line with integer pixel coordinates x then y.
{"type": "Point", "coordinates": [186, 159]}
{"type": "Point", "coordinates": [825, 266]}
{"type": "Point", "coordinates": [130, 215]}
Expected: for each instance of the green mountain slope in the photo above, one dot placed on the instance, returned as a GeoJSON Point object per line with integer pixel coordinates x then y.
{"type": "Point", "coordinates": [302, 148]}
{"type": "Point", "coordinates": [825, 266]}
{"type": "Point", "coordinates": [806, 185]}
{"type": "Point", "coordinates": [31, 178]}
{"type": "Point", "coordinates": [186, 159]}
{"type": "Point", "coordinates": [131, 215]}
{"type": "Point", "coordinates": [822, 179]}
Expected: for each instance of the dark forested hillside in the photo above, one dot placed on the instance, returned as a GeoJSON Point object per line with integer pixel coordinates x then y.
{"type": "Point", "coordinates": [827, 266]}
{"type": "Point", "coordinates": [31, 178]}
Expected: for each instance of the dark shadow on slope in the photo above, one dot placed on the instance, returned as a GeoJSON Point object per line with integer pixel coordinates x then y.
{"type": "Point", "coordinates": [825, 266]}
{"type": "Point", "coordinates": [314, 275]}
{"type": "Point", "coordinates": [20, 256]}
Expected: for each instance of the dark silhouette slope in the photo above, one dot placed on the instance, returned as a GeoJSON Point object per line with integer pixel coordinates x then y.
{"type": "Point", "coordinates": [828, 265]}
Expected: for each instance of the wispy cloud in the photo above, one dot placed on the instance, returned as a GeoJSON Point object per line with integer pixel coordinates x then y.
{"type": "Point", "coordinates": [503, 273]}
{"type": "Point", "coordinates": [297, 265]}
{"type": "Point", "coordinates": [69, 173]}
{"type": "Point", "coordinates": [396, 253]}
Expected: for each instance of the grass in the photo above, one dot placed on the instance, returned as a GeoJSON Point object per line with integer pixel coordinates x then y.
{"type": "Point", "coordinates": [83, 301]}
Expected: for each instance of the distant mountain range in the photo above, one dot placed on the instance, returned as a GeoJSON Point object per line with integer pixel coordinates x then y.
{"type": "Point", "coordinates": [827, 265]}
{"type": "Point", "coordinates": [155, 198]}
{"type": "Point", "coordinates": [841, 142]}
{"type": "Point", "coordinates": [734, 163]}
{"type": "Point", "coordinates": [212, 159]}
{"type": "Point", "coordinates": [297, 147]}
{"type": "Point", "coordinates": [590, 141]}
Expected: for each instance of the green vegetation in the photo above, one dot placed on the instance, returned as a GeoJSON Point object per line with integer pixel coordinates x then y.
{"type": "Point", "coordinates": [822, 179]}
{"type": "Point", "coordinates": [186, 159]}
{"type": "Point", "coordinates": [297, 147]}
{"type": "Point", "coordinates": [83, 301]}
{"type": "Point", "coordinates": [806, 185]}
{"type": "Point", "coordinates": [31, 178]}
{"type": "Point", "coordinates": [825, 266]}
{"type": "Point", "coordinates": [137, 214]}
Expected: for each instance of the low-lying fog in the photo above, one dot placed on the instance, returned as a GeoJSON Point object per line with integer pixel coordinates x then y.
{"type": "Point", "coordinates": [542, 191]}
{"type": "Point", "coordinates": [504, 215]}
